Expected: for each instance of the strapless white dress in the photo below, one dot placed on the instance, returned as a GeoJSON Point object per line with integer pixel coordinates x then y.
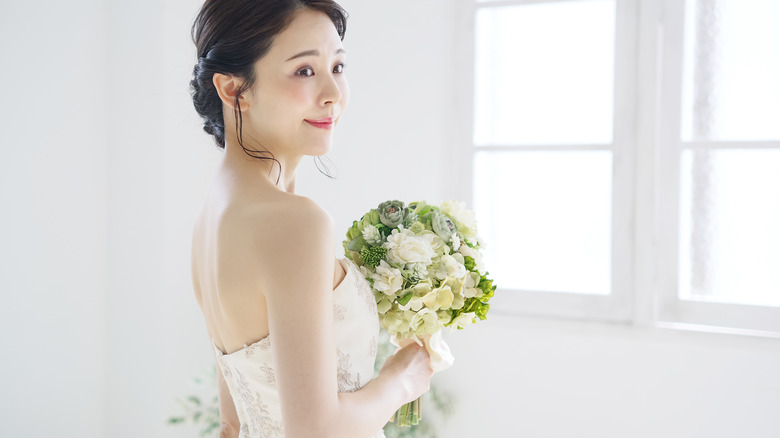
{"type": "Point", "coordinates": [249, 372]}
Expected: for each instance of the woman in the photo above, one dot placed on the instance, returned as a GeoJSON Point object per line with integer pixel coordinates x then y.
{"type": "Point", "coordinates": [293, 328]}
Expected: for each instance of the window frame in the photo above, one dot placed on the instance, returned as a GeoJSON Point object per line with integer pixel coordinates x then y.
{"type": "Point", "coordinates": [645, 147]}
{"type": "Point", "coordinates": [617, 306]}
{"type": "Point", "coordinates": [671, 310]}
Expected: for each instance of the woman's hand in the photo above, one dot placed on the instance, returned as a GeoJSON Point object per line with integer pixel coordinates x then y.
{"type": "Point", "coordinates": [411, 365]}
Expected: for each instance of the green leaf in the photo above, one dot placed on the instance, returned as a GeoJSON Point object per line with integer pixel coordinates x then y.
{"type": "Point", "coordinates": [469, 263]}
{"type": "Point", "coordinates": [357, 244]}
{"type": "Point", "coordinates": [405, 299]}
{"type": "Point", "coordinates": [487, 288]}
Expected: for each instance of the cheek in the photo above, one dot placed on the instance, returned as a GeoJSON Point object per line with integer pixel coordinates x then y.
{"type": "Point", "coordinates": [344, 86]}
{"type": "Point", "coordinates": [298, 93]}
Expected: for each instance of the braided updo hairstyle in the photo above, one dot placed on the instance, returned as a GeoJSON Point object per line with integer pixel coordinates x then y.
{"type": "Point", "coordinates": [230, 36]}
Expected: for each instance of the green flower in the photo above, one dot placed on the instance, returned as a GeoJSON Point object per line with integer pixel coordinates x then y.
{"type": "Point", "coordinates": [372, 255]}
{"type": "Point", "coordinates": [417, 227]}
{"type": "Point", "coordinates": [392, 213]}
{"type": "Point", "coordinates": [372, 217]}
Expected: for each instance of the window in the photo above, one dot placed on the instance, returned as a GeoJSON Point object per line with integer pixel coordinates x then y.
{"type": "Point", "coordinates": [623, 157]}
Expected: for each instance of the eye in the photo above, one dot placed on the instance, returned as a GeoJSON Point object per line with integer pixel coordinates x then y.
{"type": "Point", "coordinates": [339, 68]}
{"type": "Point", "coordinates": [305, 71]}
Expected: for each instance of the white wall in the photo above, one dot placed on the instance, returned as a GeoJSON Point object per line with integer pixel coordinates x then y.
{"type": "Point", "coordinates": [103, 169]}
{"type": "Point", "coordinates": [52, 218]}
{"type": "Point", "coordinates": [546, 378]}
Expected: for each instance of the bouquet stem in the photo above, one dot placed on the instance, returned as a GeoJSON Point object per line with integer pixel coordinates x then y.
{"type": "Point", "coordinates": [409, 414]}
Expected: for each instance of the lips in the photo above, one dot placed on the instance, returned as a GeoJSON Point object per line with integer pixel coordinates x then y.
{"type": "Point", "coordinates": [323, 123]}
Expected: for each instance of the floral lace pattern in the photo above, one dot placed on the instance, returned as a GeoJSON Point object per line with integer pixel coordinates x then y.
{"type": "Point", "coordinates": [346, 384]}
{"type": "Point", "coordinates": [270, 378]}
{"type": "Point", "coordinates": [251, 377]}
{"type": "Point", "coordinates": [258, 419]}
{"type": "Point", "coordinates": [363, 288]}
{"type": "Point", "coordinates": [339, 312]}
{"type": "Point", "coordinates": [372, 347]}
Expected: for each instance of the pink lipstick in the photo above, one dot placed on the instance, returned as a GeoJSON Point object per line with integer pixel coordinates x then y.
{"type": "Point", "coordinates": [324, 123]}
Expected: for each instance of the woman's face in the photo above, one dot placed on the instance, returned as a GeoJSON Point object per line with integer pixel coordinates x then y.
{"type": "Point", "coordinates": [300, 90]}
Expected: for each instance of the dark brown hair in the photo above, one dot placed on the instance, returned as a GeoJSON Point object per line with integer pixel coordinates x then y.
{"type": "Point", "coordinates": [230, 36]}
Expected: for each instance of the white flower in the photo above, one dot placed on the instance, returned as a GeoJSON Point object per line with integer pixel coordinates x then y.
{"type": "Point", "coordinates": [463, 217]}
{"type": "Point", "coordinates": [455, 241]}
{"type": "Point", "coordinates": [418, 272]}
{"type": "Point", "coordinates": [387, 279]}
{"type": "Point", "coordinates": [449, 266]}
{"type": "Point", "coordinates": [406, 248]}
{"type": "Point", "coordinates": [383, 305]}
{"type": "Point", "coordinates": [463, 320]}
{"type": "Point", "coordinates": [425, 322]}
{"type": "Point", "coordinates": [439, 246]}
{"type": "Point", "coordinates": [439, 299]}
{"type": "Point", "coordinates": [372, 235]}
{"type": "Point", "coordinates": [468, 251]}
{"type": "Point", "coordinates": [455, 284]}
{"type": "Point", "coordinates": [419, 291]}
{"type": "Point", "coordinates": [470, 289]}
{"type": "Point", "coordinates": [397, 321]}
{"type": "Point", "coordinates": [444, 316]}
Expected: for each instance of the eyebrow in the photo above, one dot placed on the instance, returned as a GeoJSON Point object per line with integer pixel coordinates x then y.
{"type": "Point", "coordinates": [313, 53]}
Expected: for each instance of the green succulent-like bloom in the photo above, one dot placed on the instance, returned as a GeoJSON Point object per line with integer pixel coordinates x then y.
{"type": "Point", "coordinates": [372, 255]}
{"type": "Point", "coordinates": [443, 226]}
{"type": "Point", "coordinates": [392, 213]}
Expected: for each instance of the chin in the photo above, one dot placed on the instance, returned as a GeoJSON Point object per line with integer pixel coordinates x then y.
{"type": "Point", "coordinates": [319, 148]}
{"type": "Point", "coordinates": [319, 152]}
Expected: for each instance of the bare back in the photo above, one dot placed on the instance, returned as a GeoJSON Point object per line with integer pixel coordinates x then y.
{"type": "Point", "coordinates": [227, 269]}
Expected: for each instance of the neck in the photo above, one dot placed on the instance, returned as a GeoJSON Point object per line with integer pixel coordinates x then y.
{"type": "Point", "coordinates": [266, 170]}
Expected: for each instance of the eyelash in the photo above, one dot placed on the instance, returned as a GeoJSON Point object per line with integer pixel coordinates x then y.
{"type": "Point", "coordinates": [298, 73]}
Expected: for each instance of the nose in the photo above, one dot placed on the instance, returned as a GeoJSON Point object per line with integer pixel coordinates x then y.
{"type": "Point", "coordinates": [330, 92]}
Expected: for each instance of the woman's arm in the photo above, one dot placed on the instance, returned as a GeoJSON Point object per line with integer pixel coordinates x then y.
{"type": "Point", "coordinates": [296, 262]}
{"type": "Point", "coordinates": [228, 417]}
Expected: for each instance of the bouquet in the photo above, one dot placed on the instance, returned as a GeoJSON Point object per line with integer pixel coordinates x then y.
{"type": "Point", "coordinates": [425, 269]}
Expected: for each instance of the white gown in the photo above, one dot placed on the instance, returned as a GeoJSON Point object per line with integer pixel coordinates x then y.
{"type": "Point", "coordinates": [249, 372]}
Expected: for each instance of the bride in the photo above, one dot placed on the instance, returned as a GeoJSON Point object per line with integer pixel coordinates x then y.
{"type": "Point", "coordinates": [293, 328]}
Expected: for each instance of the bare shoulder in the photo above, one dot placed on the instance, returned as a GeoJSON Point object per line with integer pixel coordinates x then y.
{"type": "Point", "coordinates": [279, 235]}
{"type": "Point", "coordinates": [280, 219]}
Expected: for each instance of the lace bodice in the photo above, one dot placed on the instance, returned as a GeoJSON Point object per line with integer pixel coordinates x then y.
{"type": "Point", "coordinates": [249, 372]}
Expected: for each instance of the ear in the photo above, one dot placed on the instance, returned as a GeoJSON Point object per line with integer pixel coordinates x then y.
{"type": "Point", "coordinates": [227, 87]}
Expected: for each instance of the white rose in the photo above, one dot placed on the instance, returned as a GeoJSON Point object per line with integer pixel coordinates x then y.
{"type": "Point", "coordinates": [387, 279]}
{"type": "Point", "coordinates": [438, 244]}
{"type": "Point", "coordinates": [463, 217]}
{"type": "Point", "coordinates": [405, 248]}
